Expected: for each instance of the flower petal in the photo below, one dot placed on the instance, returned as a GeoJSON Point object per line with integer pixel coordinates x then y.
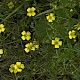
{"type": "Point", "coordinates": [53, 42]}
{"type": "Point", "coordinates": [60, 43]}
{"type": "Point", "coordinates": [56, 46]}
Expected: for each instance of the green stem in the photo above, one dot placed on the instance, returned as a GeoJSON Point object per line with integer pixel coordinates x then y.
{"type": "Point", "coordinates": [57, 53]}
{"type": "Point", "coordinates": [16, 77]}
{"type": "Point", "coordinates": [64, 65]}
{"type": "Point", "coordinates": [47, 11]}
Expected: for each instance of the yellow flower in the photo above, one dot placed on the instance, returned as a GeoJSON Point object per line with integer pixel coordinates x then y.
{"type": "Point", "coordinates": [2, 29]}
{"type": "Point", "coordinates": [19, 66]}
{"type": "Point", "coordinates": [77, 26]}
{"type": "Point", "coordinates": [31, 12]}
{"type": "Point", "coordinates": [72, 34]}
{"type": "Point", "coordinates": [26, 35]}
{"type": "Point", "coordinates": [31, 46]}
{"type": "Point", "coordinates": [14, 68]}
{"type": "Point", "coordinates": [28, 47]}
{"type": "Point", "coordinates": [11, 5]}
{"type": "Point", "coordinates": [11, 69]}
{"type": "Point", "coordinates": [56, 42]}
{"type": "Point", "coordinates": [50, 17]}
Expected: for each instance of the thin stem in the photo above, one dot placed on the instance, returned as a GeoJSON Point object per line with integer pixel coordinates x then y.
{"type": "Point", "coordinates": [47, 11]}
{"type": "Point", "coordinates": [57, 53]}
{"type": "Point", "coordinates": [13, 12]}
{"type": "Point", "coordinates": [16, 77]}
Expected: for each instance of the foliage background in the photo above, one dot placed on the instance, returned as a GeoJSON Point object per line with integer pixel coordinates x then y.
{"type": "Point", "coordinates": [46, 63]}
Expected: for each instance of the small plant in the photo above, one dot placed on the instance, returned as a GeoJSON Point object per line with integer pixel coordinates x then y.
{"type": "Point", "coordinates": [39, 40]}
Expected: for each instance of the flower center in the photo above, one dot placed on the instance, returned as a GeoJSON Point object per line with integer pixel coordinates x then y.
{"type": "Point", "coordinates": [50, 17]}
{"type": "Point", "coordinates": [56, 42]}
{"type": "Point", "coordinates": [30, 11]}
{"type": "Point", "coordinates": [72, 34]}
{"type": "Point", "coordinates": [13, 68]}
{"type": "Point", "coordinates": [25, 35]}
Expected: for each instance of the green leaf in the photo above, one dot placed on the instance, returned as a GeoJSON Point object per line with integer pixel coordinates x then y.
{"type": "Point", "coordinates": [41, 30]}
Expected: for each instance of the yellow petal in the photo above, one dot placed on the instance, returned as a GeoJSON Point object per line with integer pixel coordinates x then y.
{"type": "Point", "coordinates": [22, 66]}
{"type": "Point", "coordinates": [26, 50]}
{"type": "Point", "coordinates": [15, 66]}
{"type": "Point", "coordinates": [37, 46]}
{"type": "Point", "coordinates": [56, 46]}
{"type": "Point", "coordinates": [23, 37]}
{"type": "Point", "coordinates": [47, 17]}
{"type": "Point", "coordinates": [74, 36]}
{"type": "Point", "coordinates": [23, 33]}
{"type": "Point", "coordinates": [53, 18]}
{"type": "Point", "coordinates": [69, 32]}
{"type": "Point", "coordinates": [19, 70]}
{"type": "Point", "coordinates": [57, 39]}
{"type": "Point", "coordinates": [12, 65]}
{"type": "Point", "coordinates": [1, 51]}
{"type": "Point", "coordinates": [28, 38]}
{"type": "Point", "coordinates": [33, 48]}
{"type": "Point", "coordinates": [3, 29]}
{"type": "Point", "coordinates": [53, 42]}
{"type": "Point", "coordinates": [51, 14]}
{"type": "Point", "coordinates": [73, 31]}
{"type": "Point", "coordinates": [28, 33]}
{"type": "Point", "coordinates": [28, 9]}
{"type": "Point", "coordinates": [1, 25]}
{"type": "Point", "coordinates": [27, 45]}
{"type": "Point", "coordinates": [60, 43]}
{"type": "Point", "coordinates": [29, 14]}
{"type": "Point", "coordinates": [15, 71]}
{"type": "Point", "coordinates": [70, 37]}
{"type": "Point", "coordinates": [18, 63]}
{"type": "Point", "coordinates": [11, 70]}
{"type": "Point", "coordinates": [30, 45]}
{"type": "Point", "coordinates": [50, 20]}
{"type": "Point", "coordinates": [33, 14]}
{"type": "Point", "coordinates": [33, 9]}
{"type": "Point", "coordinates": [0, 31]}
